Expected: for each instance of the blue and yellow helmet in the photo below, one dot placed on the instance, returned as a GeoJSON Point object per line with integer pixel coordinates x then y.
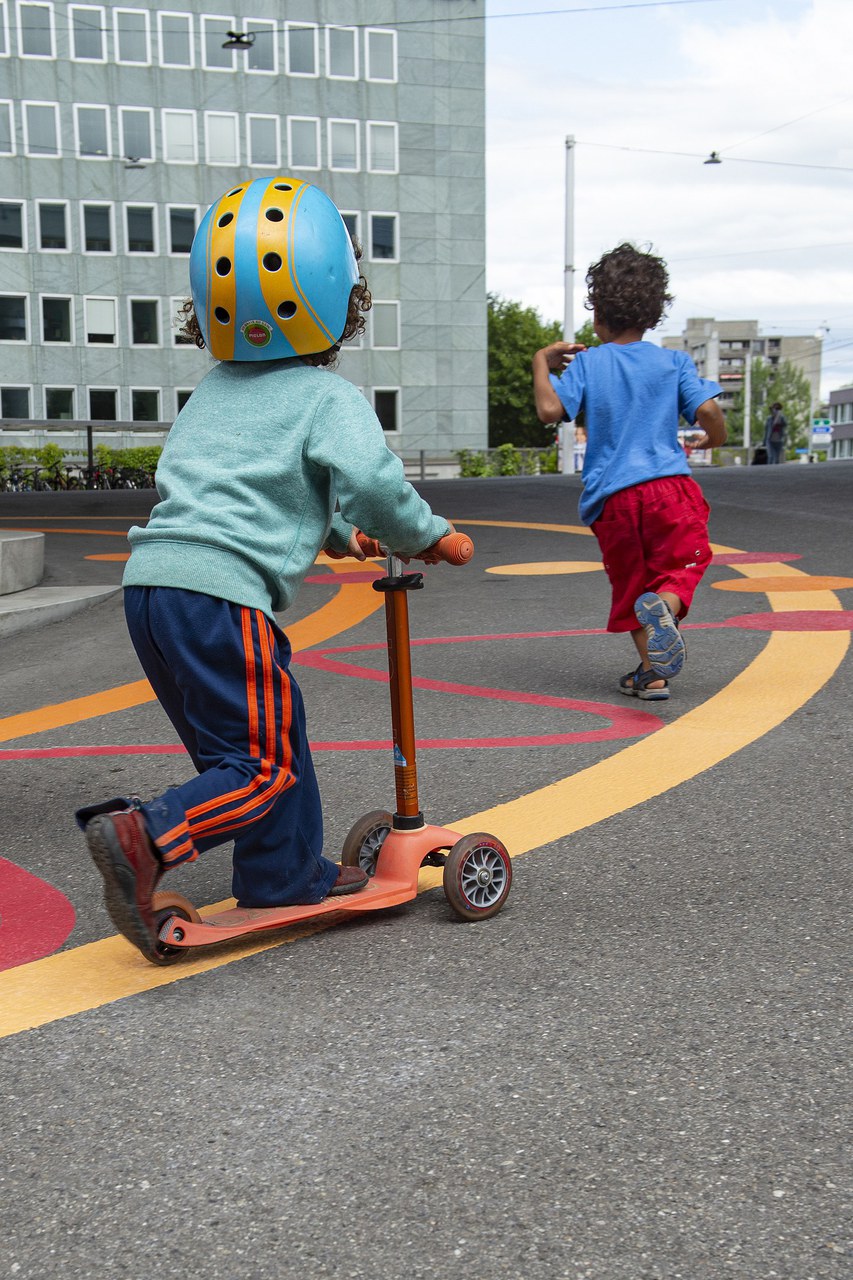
{"type": "Point", "coordinates": [271, 270]}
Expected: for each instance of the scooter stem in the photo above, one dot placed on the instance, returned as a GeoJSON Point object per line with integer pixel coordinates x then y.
{"type": "Point", "coordinates": [395, 586]}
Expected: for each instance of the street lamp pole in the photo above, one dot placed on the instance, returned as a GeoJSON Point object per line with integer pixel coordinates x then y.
{"type": "Point", "coordinates": [569, 269]}
{"type": "Point", "coordinates": [566, 430]}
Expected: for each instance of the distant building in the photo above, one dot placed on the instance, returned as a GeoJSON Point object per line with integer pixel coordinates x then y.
{"type": "Point", "coordinates": [719, 349]}
{"type": "Point", "coordinates": [841, 417]}
{"type": "Point", "coordinates": [120, 125]}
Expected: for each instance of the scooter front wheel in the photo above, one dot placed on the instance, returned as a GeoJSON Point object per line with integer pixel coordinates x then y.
{"type": "Point", "coordinates": [366, 837]}
{"type": "Point", "coordinates": [477, 876]}
{"type": "Point", "coordinates": [166, 906]}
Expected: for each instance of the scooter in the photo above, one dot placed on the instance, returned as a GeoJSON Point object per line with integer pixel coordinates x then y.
{"type": "Point", "coordinates": [391, 848]}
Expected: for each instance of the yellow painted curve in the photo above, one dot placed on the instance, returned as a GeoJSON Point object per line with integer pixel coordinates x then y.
{"type": "Point", "coordinates": [790, 669]}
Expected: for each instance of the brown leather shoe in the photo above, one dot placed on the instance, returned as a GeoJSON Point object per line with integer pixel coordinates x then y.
{"type": "Point", "coordinates": [350, 880]}
{"type": "Point", "coordinates": [125, 856]}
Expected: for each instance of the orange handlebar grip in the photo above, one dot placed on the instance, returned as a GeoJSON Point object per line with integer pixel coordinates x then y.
{"type": "Point", "coordinates": [369, 546]}
{"type": "Point", "coordinates": [455, 548]}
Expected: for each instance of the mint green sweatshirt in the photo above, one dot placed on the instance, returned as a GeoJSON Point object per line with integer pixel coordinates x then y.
{"type": "Point", "coordinates": [249, 479]}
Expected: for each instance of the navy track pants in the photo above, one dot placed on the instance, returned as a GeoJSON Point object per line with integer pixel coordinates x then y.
{"type": "Point", "coordinates": [221, 672]}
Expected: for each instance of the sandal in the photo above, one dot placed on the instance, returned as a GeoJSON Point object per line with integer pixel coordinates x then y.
{"type": "Point", "coordinates": [665, 642]}
{"type": "Point", "coordinates": [636, 685]}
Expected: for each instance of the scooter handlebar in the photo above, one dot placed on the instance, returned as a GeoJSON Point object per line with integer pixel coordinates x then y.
{"type": "Point", "coordinates": [453, 548]}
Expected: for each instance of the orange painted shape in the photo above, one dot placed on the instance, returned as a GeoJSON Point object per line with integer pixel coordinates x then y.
{"type": "Point", "coordinates": [110, 555]}
{"type": "Point", "coordinates": [766, 585]}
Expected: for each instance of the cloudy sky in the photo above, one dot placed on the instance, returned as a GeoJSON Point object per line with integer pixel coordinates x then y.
{"type": "Point", "coordinates": [648, 91]}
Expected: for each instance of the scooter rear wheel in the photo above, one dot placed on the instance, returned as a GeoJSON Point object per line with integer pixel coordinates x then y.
{"type": "Point", "coordinates": [165, 907]}
{"type": "Point", "coordinates": [477, 876]}
{"type": "Point", "coordinates": [366, 837]}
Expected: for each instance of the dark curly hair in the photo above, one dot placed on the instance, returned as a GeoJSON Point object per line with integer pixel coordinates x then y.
{"type": "Point", "coordinates": [360, 300]}
{"type": "Point", "coordinates": [627, 289]}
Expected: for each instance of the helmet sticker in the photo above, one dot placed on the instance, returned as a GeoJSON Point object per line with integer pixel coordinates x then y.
{"type": "Point", "coordinates": [257, 333]}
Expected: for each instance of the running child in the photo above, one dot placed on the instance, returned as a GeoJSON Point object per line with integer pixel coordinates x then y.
{"type": "Point", "coordinates": [648, 514]}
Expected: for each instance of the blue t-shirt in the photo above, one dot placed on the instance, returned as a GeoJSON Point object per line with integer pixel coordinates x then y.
{"type": "Point", "coordinates": [633, 396]}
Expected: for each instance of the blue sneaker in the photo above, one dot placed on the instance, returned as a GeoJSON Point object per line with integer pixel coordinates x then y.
{"type": "Point", "coordinates": [666, 643]}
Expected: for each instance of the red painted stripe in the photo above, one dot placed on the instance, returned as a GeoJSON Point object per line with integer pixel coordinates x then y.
{"type": "Point", "coordinates": [35, 918]}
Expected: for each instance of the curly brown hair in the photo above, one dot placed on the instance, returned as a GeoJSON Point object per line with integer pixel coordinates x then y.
{"type": "Point", "coordinates": [627, 289]}
{"type": "Point", "coordinates": [360, 301]}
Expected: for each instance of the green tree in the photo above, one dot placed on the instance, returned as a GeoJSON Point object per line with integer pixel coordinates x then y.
{"type": "Point", "coordinates": [783, 382]}
{"type": "Point", "coordinates": [515, 333]}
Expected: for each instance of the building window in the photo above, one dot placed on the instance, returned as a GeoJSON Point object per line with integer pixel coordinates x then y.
{"type": "Point", "coordinates": [263, 55]}
{"type": "Point", "coordinates": [341, 53]}
{"type": "Point", "coordinates": [59, 402]}
{"type": "Point", "coordinates": [303, 133]}
{"type": "Point", "coordinates": [221, 139]}
{"type": "Point", "coordinates": [53, 225]}
{"type": "Point", "coordinates": [178, 320]}
{"type": "Point", "coordinates": [385, 325]}
{"type": "Point", "coordinates": [301, 45]}
{"type": "Point", "coordinates": [13, 318]}
{"type": "Point", "coordinates": [181, 398]}
{"type": "Point", "coordinates": [91, 125]}
{"type": "Point", "coordinates": [181, 229]}
{"type": "Point", "coordinates": [87, 37]}
{"type": "Point", "coordinates": [383, 237]}
{"type": "Point", "coordinates": [35, 30]}
{"type": "Point", "coordinates": [133, 43]}
{"type": "Point", "coordinates": [343, 145]}
{"type": "Point", "coordinates": [381, 55]}
{"type": "Point", "coordinates": [41, 128]}
{"type": "Point", "coordinates": [56, 321]}
{"type": "Point", "coordinates": [264, 140]}
{"type": "Point", "coordinates": [145, 405]}
{"type": "Point", "coordinates": [102, 404]}
{"type": "Point", "coordinates": [351, 224]}
{"type": "Point", "coordinates": [97, 228]}
{"type": "Point", "coordinates": [139, 228]}
{"type": "Point", "coordinates": [136, 125]}
{"type": "Point", "coordinates": [176, 39]}
{"type": "Point", "coordinates": [4, 30]}
{"type": "Point", "coordinates": [144, 322]}
{"type": "Point", "coordinates": [12, 224]}
{"type": "Point", "coordinates": [381, 147]}
{"type": "Point", "coordinates": [179, 141]}
{"type": "Point", "coordinates": [386, 406]}
{"type": "Point", "coordinates": [214, 34]}
{"type": "Point", "coordinates": [7, 131]}
{"type": "Point", "coordinates": [101, 327]}
{"type": "Point", "coordinates": [15, 402]}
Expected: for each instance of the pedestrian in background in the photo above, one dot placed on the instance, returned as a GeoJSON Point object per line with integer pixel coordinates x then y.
{"type": "Point", "coordinates": [775, 429]}
{"type": "Point", "coordinates": [645, 509]}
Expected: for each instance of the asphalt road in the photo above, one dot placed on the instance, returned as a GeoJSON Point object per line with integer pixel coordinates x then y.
{"type": "Point", "coordinates": [637, 1070]}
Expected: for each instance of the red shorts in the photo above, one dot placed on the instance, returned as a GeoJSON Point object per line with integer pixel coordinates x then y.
{"type": "Point", "coordinates": [653, 537]}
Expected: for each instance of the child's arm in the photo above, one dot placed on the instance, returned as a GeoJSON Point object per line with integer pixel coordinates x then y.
{"type": "Point", "coordinates": [710, 418]}
{"type": "Point", "coordinates": [552, 359]}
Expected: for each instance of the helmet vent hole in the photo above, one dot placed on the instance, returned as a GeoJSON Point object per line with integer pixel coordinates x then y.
{"type": "Point", "coordinates": [283, 186]}
{"type": "Point", "coordinates": [272, 262]}
{"type": "Point", "coordinates": [275, 215]}
{"type": "Point", "coordinates": [235, 192]}
{"type": "Point", "coordinates": [223, 266]}
{"type": "Point", "coordinates": [222, 315]}
{"type": "Point", "coordinates": [225, 219]}
{"type": "Point", "coordinates": [287, 310]}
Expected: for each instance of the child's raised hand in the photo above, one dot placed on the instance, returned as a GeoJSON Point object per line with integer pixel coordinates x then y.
{"type": "Point", "coordinates": [559, 355]}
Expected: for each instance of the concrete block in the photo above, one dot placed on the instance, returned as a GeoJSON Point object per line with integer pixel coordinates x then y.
{"type": "Point", "coordinates": [21, 561]}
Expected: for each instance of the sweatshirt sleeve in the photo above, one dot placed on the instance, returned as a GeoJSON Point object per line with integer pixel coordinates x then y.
{"type": "Point", "coordinates": [347, 440]}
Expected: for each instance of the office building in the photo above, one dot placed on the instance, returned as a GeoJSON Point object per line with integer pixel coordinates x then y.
{"type": "Point", "coordinates": [120, 124]}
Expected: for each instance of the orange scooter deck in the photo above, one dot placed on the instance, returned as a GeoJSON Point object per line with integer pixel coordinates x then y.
{"type": "Point", "coordinates": [396, 881]}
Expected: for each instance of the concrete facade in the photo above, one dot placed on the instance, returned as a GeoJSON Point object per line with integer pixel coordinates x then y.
{"type": "Point", "coordinates": [719, 349]}
{"type": "Point", "coordinates": [119, 125]}
{"type": "Point", "coordinates": [841, 417]}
